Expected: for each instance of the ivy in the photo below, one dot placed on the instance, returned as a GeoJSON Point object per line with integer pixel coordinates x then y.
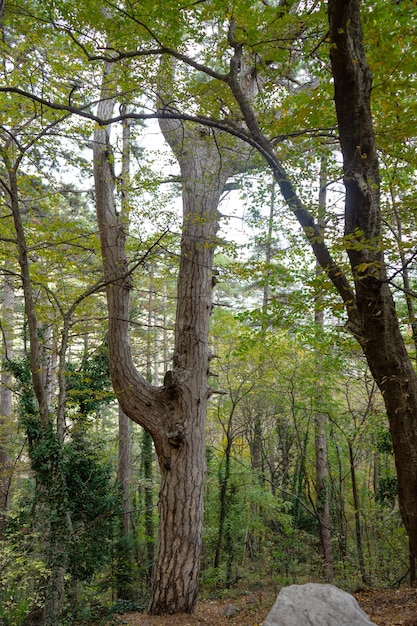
{"type": "Point", "coordinates": [94, 503]}
{"type": "Point", "coordinates": [89, 386]}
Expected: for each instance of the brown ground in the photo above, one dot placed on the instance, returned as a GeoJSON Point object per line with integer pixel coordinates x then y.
{"type": "Point", "coordinates": [385, 607]}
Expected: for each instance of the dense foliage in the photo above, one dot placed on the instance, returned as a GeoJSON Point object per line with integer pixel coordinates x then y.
{"type": "Point", "coordinates": [288, 382]}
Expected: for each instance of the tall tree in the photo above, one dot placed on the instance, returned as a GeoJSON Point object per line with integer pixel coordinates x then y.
{"type": "Point", "coordinates": [124, 590]}
{"type": "Point", "coordinates": [175, 414]}
{"type": "Point", "coordinates": [368, 302]}
{"type": "Point", "coordinates": [45, 447]}
{"type": "Point", "coordinates": [371, 313]}
{"type": "Point", "coordinates": [254, 36]}
{"type": "Point", "coordinates": [322, 471]}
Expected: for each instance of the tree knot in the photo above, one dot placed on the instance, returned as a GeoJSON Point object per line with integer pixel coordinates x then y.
{"type": "Point", "coordinates": [176, 436]}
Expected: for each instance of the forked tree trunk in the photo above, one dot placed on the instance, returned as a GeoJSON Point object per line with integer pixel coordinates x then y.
{"type": "Point", "coordinates": [175, 414]}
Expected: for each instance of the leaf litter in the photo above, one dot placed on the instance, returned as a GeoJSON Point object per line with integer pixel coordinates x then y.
{"type": "Point", "coordinates": [385, 607]}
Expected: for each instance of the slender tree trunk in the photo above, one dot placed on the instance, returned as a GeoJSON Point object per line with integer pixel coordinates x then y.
{"type": "Point", "coordinates": [369, 304]}
{"type": "Point", "coordinates": [409, 299]}
{"type": "Point", "coordinates": [123, 468]}
{"type": "Point", "coordinates": [124, 590]}
{"type": "Point", "coordinates": [147, 448]}
{"type": "Point", "coordinates": [148, 474]}
{"type": "Point", "coordinates": [358, 526]}
{"type": "Point", "coordinates": [6, 401]}
{"type": "Point", "coordinates": [224, 478]}
{"type": "Point", "coordinates": [268, 255]}
{"type": "Point", "coordinates": [412, 321]}
{"type": "Point", "coordinates": [320, 443]}
{"type": "Point", "coordinates": [322, 495]}
{"type": "Point", "coordinates": [40, 431]}
{"type": "Point", "coordinates": [123, 577]}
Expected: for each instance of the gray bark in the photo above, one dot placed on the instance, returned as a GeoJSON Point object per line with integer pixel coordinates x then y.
{"type": "Point", "coordinates": [123, 468]}
{"type": "Point", "coordinates": [206, 164]}
{"type": "Point", "coordinates": [174, 415]}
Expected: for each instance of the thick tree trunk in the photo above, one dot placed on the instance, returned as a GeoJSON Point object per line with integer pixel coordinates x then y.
{"type": "Point", "coordinates": [378, 329]}
{"type": "Point", "coordinates": [205, 169]}
{"type": "Point", "coordinates": [175, 414]}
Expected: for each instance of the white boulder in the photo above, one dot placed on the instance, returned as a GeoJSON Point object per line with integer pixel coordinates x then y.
{"type": "Point", "coordinates": [316, 605]}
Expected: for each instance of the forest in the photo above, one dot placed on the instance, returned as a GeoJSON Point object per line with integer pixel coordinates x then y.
{"type": "Point", "coordinates": [207, 302]}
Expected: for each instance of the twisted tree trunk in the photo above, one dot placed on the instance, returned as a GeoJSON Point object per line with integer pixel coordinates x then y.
{"type": "Point", "coordinates": [175, 413]}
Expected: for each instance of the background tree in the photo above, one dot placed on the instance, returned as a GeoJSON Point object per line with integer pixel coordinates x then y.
{"type": "Point", "coordinates": [6, 396]}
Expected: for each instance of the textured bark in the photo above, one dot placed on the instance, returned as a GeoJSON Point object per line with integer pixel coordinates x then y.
{"type": "Point", "coordinates": [322, 495]}
{"type": "Point", "coordinates": [124, 590]}
{"type": "Point", "coordinates": [123, 469]}
{"type": "Point", "coordinates": [174, 414]}
{"type": "Point", "coordinates": [148, 475]}
{"type": "Point", "coordinates": [223, 498]}
{"type": "Point", "coordinates": [358, 526]}
{"type": "Point", "coordinates": [36, 366]}
{"type": "Point", "coordinates": [205, 168]}
{"type": "Point", "coordinates": [378, 329]}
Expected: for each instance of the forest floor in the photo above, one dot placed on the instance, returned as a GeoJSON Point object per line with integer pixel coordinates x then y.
{"type": "Point", "coordinates": [385, 607]}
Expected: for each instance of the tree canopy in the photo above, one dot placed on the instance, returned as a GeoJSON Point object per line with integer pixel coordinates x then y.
{"type": "Point", "coordinates": [303, 113]}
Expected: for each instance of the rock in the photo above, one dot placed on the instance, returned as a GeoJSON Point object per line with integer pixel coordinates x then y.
{"type": "Point", "coordinates": [316, 605]}
{"type": "Point", "coordinates": [231, 610]}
